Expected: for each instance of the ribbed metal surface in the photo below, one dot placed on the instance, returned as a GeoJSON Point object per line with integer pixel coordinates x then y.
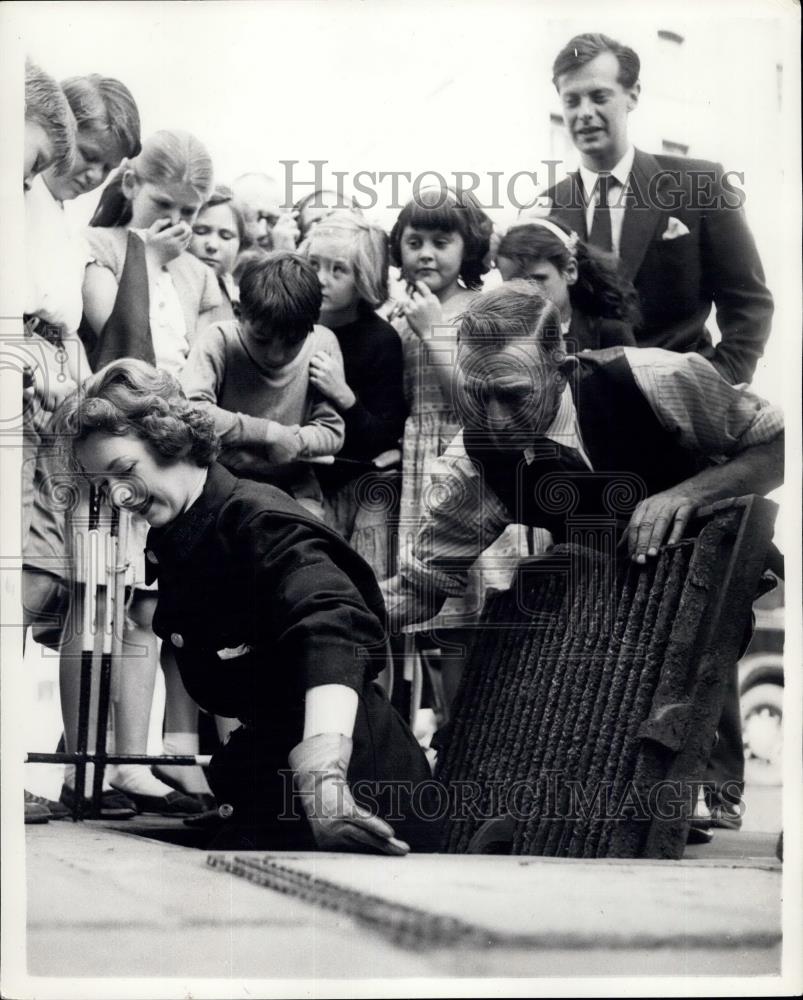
{"type": "Point", "coordinates": [579, 690]}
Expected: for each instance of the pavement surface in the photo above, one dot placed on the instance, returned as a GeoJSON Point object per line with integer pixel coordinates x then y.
{"type": "Point", "coordinates": [115, 902]}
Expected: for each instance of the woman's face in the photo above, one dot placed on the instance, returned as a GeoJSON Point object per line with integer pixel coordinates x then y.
{"type": "Point", "coordinates": [431, 256]}
{"type": "Point", "coordinates": [97, 154]}
{"type": "Point", "coordinates": [215, 239]}
{"type": "Point", "coordinates": [551, 282]}
{"type": "Point", "coordinates": [138, 479]}
{"type": "Point", "coordinates": [176, 202]}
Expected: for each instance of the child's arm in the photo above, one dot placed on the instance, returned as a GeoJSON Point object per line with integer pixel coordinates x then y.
{"type": "Point", "coordinates": [99, 295]}
{"type": "Point", "coordinates": [424, 313]}
{"type": "Point", "coordinates": [324, 431]}
{"type": "Point", "coordinates": [261, 442]}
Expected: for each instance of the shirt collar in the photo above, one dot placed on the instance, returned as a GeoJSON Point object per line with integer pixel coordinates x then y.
{"type": "Point", "coordinates": [176, 540]}
{"type": "Point", "coordinates": [621, 171]}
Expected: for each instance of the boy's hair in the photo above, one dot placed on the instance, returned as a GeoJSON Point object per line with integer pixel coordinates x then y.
{"type": "Point", "coordinates": [132, 397]}
{"type": "Point", "coordinates": [583, 48]}
{"type": "Point", "coordinates": [599, 290]}
{"type": "Point", "coordinates": [169, 156]}
{"type": "Point", "coordinates": [281, 295]}
{"type": "Point", "coordinates": [103, 104]}
{"type": "Point", "coordinates": [448, 211]}
{"type": "Point", "coordinates": [514, 311]}
{"type": "Point", "coordinates": [222, 195]}
{"type": "Point", "coordinates": [367, 252]}
{"type": "Point", "coordinates": [46, 105]}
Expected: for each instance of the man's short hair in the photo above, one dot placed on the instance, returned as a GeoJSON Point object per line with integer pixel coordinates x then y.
{"type": "Point", "coordinates": [583, 48]}
{"type": "Point", "coordinates": [46, 106]}
{"type": "Point", "coordinates": [514, 311]}
{"type": "Point", "coordinates": [281, 295]}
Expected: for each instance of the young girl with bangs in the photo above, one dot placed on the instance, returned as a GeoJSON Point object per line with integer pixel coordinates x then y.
{"type": "Point", "coordinates": [351, 260]}
{"type": "Point", "coordinates": [440, 241]}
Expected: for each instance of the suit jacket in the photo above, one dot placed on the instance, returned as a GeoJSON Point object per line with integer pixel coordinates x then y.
{"type": "Point", "coordinates": [678, 279]}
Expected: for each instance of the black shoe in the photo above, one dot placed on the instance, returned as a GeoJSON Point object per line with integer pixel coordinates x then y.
{"type": "Point", "coordinates": [35, 811]}
{"type": "Point", "coordinates": [697, 835]}
{"type": "Point", "coordinates": [56, 809]}
{"type": "Point", "coordinates": [726, 815]}
{"type": "Point", "coordinates": [206, 799]}
{"type": "Point", "coordinates": [113, 804]}
{"type": "Point", "coordinates": [173, 804]}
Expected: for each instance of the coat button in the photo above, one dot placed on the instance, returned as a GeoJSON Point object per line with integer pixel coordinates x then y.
{"type": "Point", "coordinates": [150, 555]}
{"type": "Point", "coordinates": [177, 640]}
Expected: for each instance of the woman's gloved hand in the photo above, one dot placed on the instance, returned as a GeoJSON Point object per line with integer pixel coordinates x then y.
{"type": "Point", "coordinates": [320, 764]}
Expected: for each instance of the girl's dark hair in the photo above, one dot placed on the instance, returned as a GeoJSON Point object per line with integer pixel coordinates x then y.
{"type": "Point", "coordinates": [447, 211]}
{"type": "Point", "coordinates": [132, 397]}
{"type": "Point", "coordinates": [599, 289]}
{"type": "Point", "coordinates": [281, 295]}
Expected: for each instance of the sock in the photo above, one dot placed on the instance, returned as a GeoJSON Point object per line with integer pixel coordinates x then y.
{"type": "Point", "coordinates": [69, 778]}
{"type": "Point", "coordinates": [137, 778]}
{"type": "Point", "coordinates": [189, 779]}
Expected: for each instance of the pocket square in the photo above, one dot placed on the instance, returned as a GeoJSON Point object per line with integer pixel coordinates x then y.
{"type": "Point", "coordinates": [233, 653]}
{"type": "Point", "coordinates": [674, 228]}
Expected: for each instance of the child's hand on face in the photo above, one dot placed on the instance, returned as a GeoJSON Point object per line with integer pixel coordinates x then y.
{"type": "Point", "coordinates": [283, 443]}
{"type": "Point", "coordinates": [286, 234]}
{"type": "Point", "coordinates": [327, 375]}
{"type": "Point", "coordinates": [423, 310]}
{"type": "Point", "coordinates": [165, 241]}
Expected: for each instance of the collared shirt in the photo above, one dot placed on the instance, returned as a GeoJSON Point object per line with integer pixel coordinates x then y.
{"type": "Point", "coordinates": [688, 396]}
{"type": "Point", "coordinates": [616, 200]}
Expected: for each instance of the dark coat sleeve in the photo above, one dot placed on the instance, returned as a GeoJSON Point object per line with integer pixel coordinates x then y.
{"type": "Point", "coordinates": [734, 278]}
{"type": "Point", "coordinates": [376, 421]}
{"type": "Point", "coordinates": [316, 617]}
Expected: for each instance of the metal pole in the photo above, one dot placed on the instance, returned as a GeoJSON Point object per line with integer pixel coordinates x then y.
{"type": "Point", "coordinates": [104, 689]}
{"type": "Point", "coordinates": [87, 651]}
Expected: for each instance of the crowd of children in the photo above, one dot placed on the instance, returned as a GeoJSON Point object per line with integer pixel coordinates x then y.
{"type": "Point", "coordinates": [279, 322]}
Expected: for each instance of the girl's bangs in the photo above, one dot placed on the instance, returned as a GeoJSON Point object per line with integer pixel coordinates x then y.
{"type": "Point", "coordinates": [443, 215]}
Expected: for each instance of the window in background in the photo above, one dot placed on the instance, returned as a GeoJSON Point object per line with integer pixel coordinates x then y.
{"type": "Point", "coordinates": [675, 148]}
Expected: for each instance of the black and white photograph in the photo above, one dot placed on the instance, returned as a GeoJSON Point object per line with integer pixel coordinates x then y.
{"type": "Point", "coordinates": [401, 473]}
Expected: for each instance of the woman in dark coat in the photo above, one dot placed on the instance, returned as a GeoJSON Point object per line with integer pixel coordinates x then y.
{"type": "Point", "coordinates": [274, 620]}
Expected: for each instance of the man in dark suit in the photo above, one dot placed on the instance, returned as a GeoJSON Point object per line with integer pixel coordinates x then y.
{"type": "Point", "coordinates": [677, 225]}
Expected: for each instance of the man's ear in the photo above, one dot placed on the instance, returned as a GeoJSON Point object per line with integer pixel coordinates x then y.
{"type": "Point", "coordinates": [129, 185]}
{"type": "Point", "coordinates": [633, 95]}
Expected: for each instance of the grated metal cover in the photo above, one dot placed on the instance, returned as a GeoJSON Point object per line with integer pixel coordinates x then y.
{"type": "Point", "coordinates": [590, 698]}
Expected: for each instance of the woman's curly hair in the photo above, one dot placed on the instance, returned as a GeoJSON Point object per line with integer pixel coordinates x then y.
{"type": "Point", "coordinates": [133, 397]}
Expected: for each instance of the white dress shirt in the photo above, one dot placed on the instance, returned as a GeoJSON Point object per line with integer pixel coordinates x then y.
{"type": "Point", "coordinates": [616, 193]}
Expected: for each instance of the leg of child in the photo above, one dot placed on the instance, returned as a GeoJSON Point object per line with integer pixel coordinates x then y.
{"type": "Point", "coordinates": [70, 662]}
{"type": "Point", "coordinates": [133, 708]}
{"type": "Point", "coordinates": [225, 727]}
{"type": "Point", "coordinates": [181, 730]}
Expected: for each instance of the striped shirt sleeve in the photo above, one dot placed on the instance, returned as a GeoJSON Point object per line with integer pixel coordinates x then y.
{"type": "Point", "coordinates": [694, 402]}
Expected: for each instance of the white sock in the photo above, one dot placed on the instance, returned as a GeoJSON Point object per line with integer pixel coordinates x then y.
{"type": "Point", "coordinates": [137, 778]}
{"type": "Point", "coordinates": [191, 779]}
{"type": "Point", "coordinates": [69, 778]}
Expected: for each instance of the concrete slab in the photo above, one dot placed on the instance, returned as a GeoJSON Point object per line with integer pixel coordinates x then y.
{"type": "Point", "coordinates": [103, 903]}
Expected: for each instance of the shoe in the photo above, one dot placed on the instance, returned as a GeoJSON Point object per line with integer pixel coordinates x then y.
{"type": "Point", "coordinates": [173, 804]}
{"type": "Point", "coordinates": [206, 799]}
{"type": "Point", "coordinates": [35, 812]}
{"type": "Point", "coordinates": [697, 835]}
{"type": "Point", "coordinates": [113, 804]}
{"type": "Point", "coordinates": [56, 809]}
{"type": "Point", "coordinates": [726, 815]}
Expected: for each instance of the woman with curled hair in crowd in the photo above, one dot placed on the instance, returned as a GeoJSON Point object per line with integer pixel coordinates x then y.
{"type": "Point", "coordinates": [598, 308]}
{"type": "Point", "coordinates": [272, 618]}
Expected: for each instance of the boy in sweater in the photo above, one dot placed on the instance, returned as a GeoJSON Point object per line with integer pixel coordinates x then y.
{"type": "Point", "coordinates": [253, 375]}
